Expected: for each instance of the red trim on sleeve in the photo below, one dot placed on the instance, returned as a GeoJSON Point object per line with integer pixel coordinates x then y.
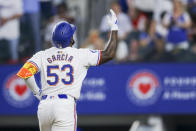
{"type": "Point", "coordinates": [99, 58]}
{"type": "Point", "coordinates": [34, 64]}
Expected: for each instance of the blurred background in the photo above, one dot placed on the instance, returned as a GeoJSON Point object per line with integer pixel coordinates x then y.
{"type": "Point", "coordinates": [149, 86]}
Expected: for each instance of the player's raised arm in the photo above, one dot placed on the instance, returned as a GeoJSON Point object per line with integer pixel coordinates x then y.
{"type": "Point", "coordinates": [110, 51]}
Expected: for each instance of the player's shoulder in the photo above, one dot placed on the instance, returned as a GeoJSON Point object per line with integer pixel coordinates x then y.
{"type": "Point", "coordinates": [71, 48]}
{"type": "Point", "coordinates": [86, 50]}
{"type": "Point", "coordinates": [80, 50]}
{"type": "Point", "coordinates": [53, 49]}
{"type": "Point", "coordinates": [67, 49]}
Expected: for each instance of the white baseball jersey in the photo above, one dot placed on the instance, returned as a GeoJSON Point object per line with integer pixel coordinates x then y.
{"type": "Point", "coordinates": [63, 70]}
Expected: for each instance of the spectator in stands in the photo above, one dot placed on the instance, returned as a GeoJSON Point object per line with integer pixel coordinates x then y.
{"type": "Point", "coordinates": [133, 51]}
{"type": "Point", "coordinates": [192, 9]}
{"type": "Point", "coordinates": [125, 28]}
{"type": "Point", "coordinates": [139, 19]}
{"type": "Point", "coordinates": [10, 13]}
{"type": "Point", "coordinates": [145, 46]}
{"type": "Point", "coordinates": [146, 6]}
{"type": "Point", "coordinates": [93, 41]}
{"type": "Point", "coordinates": [162, 7]}
{"type": "Point", "coordinates": [177, 23]}
{"type": "Point", "coordinates": [157, 31]}
{"type": "Point", "coordinates": [191, 5]}
{"type": "Point", "coordinates": [139, 22]}
{"type": "Point", "coordinates": [62, 15]}
{"type": "Point", "coordinates": [124, 22]}
{"type": "Point", "coordinates": [32, 18]}
{"type": "Point", "coordinates": [122, 52]}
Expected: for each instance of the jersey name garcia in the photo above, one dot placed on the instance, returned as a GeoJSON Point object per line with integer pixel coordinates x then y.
{"type": "Point", "coordinates": [63, 70]}
{"type": "Point", "coordinates": [60, 57]}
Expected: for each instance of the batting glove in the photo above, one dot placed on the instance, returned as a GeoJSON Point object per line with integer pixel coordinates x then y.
{"type": "Point", "coordinates": [112, 20]}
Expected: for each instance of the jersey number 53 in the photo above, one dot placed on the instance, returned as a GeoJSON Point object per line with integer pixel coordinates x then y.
{"type": "Point", "coordinates": [51, 73]}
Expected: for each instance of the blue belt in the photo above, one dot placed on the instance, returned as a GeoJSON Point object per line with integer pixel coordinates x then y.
{"type": "Point", "coordinates": [61, 96]}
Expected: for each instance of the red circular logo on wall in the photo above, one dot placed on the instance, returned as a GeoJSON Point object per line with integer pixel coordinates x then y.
{"type": "Point", "coordinates": [16, 92]}
{"type": "Point", "coordinates": [143, 88]}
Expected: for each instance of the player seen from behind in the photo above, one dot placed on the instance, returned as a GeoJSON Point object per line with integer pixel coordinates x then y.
{"type": "Point", "coordinates": [63, 70]}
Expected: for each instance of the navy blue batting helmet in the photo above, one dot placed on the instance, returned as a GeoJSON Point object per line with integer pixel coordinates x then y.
{"type": "Point", "coordinates": [62, 34]}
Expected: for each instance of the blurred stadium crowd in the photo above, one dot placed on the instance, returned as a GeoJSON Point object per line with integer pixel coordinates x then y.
{"type": "Point", "coordinates": [149, 30]}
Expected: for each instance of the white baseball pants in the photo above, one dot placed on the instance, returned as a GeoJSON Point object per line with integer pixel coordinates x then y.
{"type": "Point", "coordinates": [57, 114]}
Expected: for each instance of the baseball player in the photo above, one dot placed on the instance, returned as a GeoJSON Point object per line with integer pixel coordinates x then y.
{"type": "Point", "coordinates": [63, 70]}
